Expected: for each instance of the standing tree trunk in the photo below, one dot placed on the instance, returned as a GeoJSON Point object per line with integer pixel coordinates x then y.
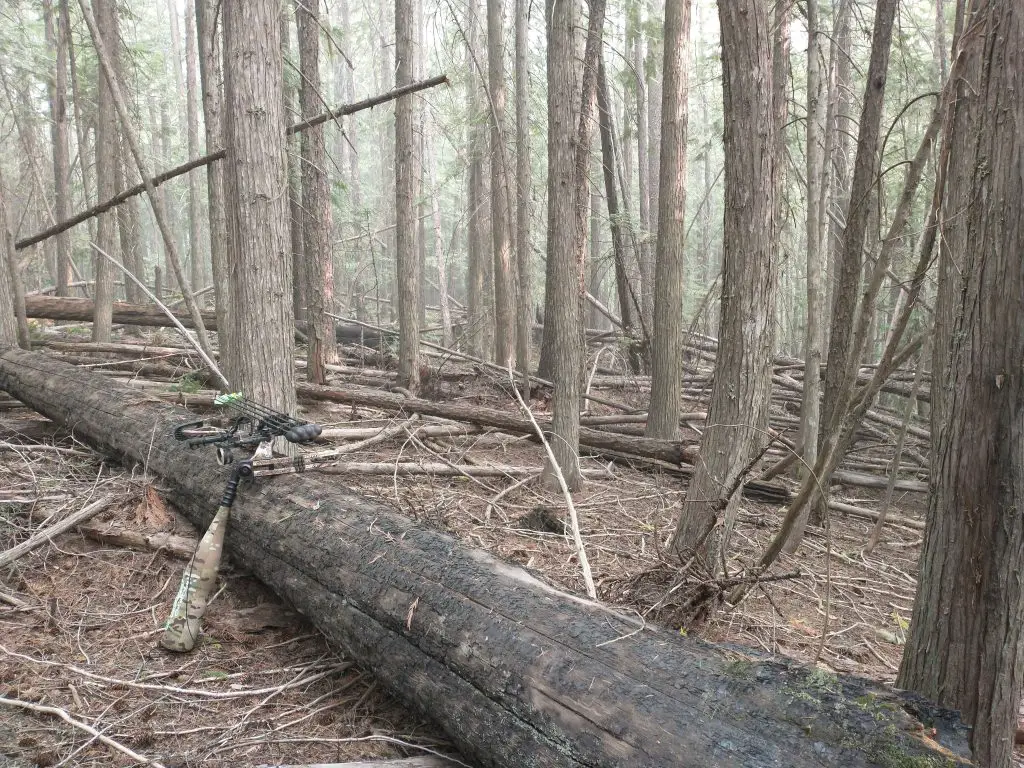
{"type": "Point", "coordinates": [292, 152]}
{"type": "Point", "coordinates": [967, 633]}
{"type": "Point", "coordinates": [667, 332]}
{"type": "Point", "coordinates": [197, 277]}
{"type": "Point", "coordinates": [316, 202]}
{"type": "Point", "coordinates": [81, 131]}
{"type": "Point", "coordinates": [479, 321]}
{"type": "Point", "coordinates": [210, 77]}
{"type": "Point", "coordinates": [58, 90]}
{"type": "Point", "coordinates": [810, 409]}
{"type": "Point", "coordinates": [256, 191]}
{"type": "Point", "coordinates": [109, 71]}
{"type": "Point", "coordinates": [501, 234]}
{"type": "Point", "coordinates": [409, 278]}
{"type": "Point", "coordinates": [842, 362]}
{"type": "Point", "coordinates": [561, 348]}
{"type": "Point", "coordinates": [570, 268]}
{"type": "Point", "coordinates": [106, 156]}
{"type": "Point", "coordinates": [13, 326]}
{"type": "Point", "coordinates": [647, 267]}
{"type": "Point", "coordinates": [742, 382]}
{"type": "Point", "coordinates": [524, 300]}
{"type": "Point", "coordinates": [629, 304]}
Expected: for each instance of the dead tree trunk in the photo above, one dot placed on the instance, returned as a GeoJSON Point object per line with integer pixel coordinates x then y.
{"type": "Point", "coordinates": [515, 671]}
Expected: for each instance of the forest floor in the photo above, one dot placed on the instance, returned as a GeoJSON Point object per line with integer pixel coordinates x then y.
{"type": "Point", "coordinates": [81, 615]}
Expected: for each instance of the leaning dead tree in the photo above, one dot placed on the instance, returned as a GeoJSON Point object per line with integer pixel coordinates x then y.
{"type": "Point", "coordinates": [515, 671]}
{"type": "Point", "coordinates": [220, 154]}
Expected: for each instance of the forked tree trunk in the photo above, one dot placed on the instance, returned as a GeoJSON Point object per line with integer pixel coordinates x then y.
{"type": "Point", "coordinates": [967, 633]}
{"type": "Point", "coordinates": [517, 673]}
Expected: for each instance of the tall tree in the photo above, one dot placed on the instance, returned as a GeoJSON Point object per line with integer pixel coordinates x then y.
{"type": "Point", "coordinates": [524, 300]}
{"type": "Point", "coordinates": [814, 337]}
{"type": "Point", "coordinates": [967, 634]}
{"type": "Point", "coordinates": [208, 37]}
{"type": "Point", "coordinates": [666, 339]}
{"type": "Point", "coordinates": [568, 161]}
{"type": "Point", "coordinates": [646, 257]}
{"type": "Point", "coordinates": [409, 278]}
{"type": "Point", "coordinates": [256, 194]}
{"type": "Point", "coordinates": [57, 90]}
{"type": "Point", "coordinates": [196, 256]}
{"type": "Point", "coordinates": [106, 156]}
{"type": "Point", "coordinates": [294, 179]}
{"type": "Point", "coordinates": [742, 382]}
{"type": "Point", "coordinates": [316, 201]}
{"type": "Point", "coordinates": [843, 359]}
{"type": "Point", "coordinates": [479, 321]}
{"type": "Point", "coordinates": [501, 224]}
{"type": "Point", "coordinates": [13, 328]}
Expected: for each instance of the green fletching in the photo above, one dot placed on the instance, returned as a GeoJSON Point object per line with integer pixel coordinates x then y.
{"type": "Point", "coordinates": [228, 398]}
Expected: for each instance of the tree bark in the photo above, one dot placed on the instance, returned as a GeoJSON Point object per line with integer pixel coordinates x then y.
{"type": "Point", "coordinates": [561, 19]}
{"type": "Point", "coordinates": [318, 253]}
{"type": "Point", "coordinates": [58, 90]}
{"type": "Point", "coordinates": [256, 194]}
{"type": "Point", "coordinates": [810, 405]}
{"type": "Point", "coordinates": [501, 227]}
{"type": "Point", "coordinates": [842, 359]}
{"type": "Point", "coordinates": [967, 633]}
{"type": "Point", "coordinates": [159, 211]}
{"type": "Point", "coordinates": [208, 37]}
{"type": "Point", "coordinates": [646, 257]}
{"type": "Point", "coordinates": [67, 308]}
{"type": "Point", "coordinates": [409, 278]}
{"type": "Point", "coordinates": [479, 320]}
{"type": "Point", "coordinates": [106, 156]}
{"type": "Point", "coordinates": [292, 153]}
{"type": "Point", "coordinates": [667, 329]}
{"type": "Point", "coordinates": [482, 647]}
{"type": "Point", "coordinates": [524, 277]}
{"type": "Point", "coordinates": [10, 328]}
{"type": "Point", "coordinates": [196, 255]}
{"type": "Point", "coordinates": [742, 382]}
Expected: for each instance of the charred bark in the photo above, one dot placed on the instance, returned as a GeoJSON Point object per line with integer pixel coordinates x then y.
{"type": "Point", "coordinates": [516, 672]}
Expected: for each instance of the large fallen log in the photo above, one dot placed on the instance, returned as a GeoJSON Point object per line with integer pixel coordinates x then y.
{"type": "Point", "coordinates": [65, 308]}
{"type": "Point", "coordinates": [517, 673]}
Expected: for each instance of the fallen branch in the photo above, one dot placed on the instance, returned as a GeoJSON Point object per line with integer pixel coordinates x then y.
{"type": "Point", "coordinates": [63, 715]}
{"type": "Point", "coordinates": [42, 537]}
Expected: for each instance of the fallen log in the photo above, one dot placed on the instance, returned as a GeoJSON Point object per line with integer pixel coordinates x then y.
{"type": "Point", "coordinates": [66, 308]}
{"type": "Point", "coordinates": [516, 672]}
{"type": "Point", "coordinates": [670, 451]}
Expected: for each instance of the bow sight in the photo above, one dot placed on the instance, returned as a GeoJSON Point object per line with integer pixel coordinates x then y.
{"type": "Point", "coordinates": [251, 426]}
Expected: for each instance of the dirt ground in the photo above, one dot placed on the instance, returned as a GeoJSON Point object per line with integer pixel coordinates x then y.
{"type": "Point", "coordinates": [80, 617]}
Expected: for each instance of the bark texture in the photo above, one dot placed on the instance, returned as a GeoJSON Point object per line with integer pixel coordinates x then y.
{"type": "Point", "coordinates": [667, 329]}
{"type": "Point", "coordinates": [967, 635]}
{"type": "Point", "coordinates": [106, 156]}
{"type": "Point", "coordinates": [318, 253]}
{"type": "Point", "coordinates": [516, 672]}
{"type": "Point", "coordinates": [742, 382]}
{"type": "Point", "coordinates": [256, 191]}
{"type": "Point", "coordinates": [409, 278]}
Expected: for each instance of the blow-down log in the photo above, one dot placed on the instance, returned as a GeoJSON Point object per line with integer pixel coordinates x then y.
{"type": "Point", "coordinates": [515, 671]}
{"type": "Point", "coordinates": [66, 308]}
